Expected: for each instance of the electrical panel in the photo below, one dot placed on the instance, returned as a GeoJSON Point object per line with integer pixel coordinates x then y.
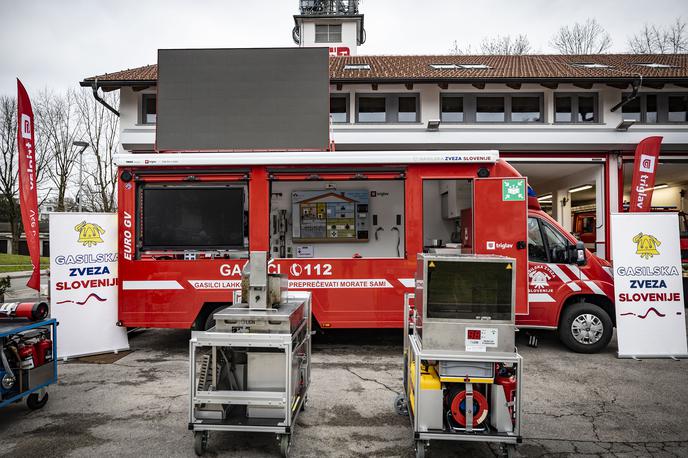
{"type": "Point", "coordinates": [330, 216]}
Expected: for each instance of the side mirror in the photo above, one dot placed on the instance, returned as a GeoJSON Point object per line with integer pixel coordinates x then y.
{"type": "Point", "coordinates": [577, 253]}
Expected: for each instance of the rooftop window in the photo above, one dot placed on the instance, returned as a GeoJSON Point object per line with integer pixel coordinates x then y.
{"type": "Point", "coordinates": [473, 66]}
{"type": "Point", "coordinates": [443, 66]}
{"type": "Point", "coordinates": [357, 67]}
{"type": "Point", "coordinates": [590, 65]}
{"type": "Point", "coordinates": [654, 65]}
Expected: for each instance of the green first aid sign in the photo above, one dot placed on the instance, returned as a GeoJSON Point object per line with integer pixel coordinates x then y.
{"type": "Point", "coordinates": [514, 189]}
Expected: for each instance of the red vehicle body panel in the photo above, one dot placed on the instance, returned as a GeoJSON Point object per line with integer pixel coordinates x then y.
{"type": "Point", "coordinates": [347, 292]}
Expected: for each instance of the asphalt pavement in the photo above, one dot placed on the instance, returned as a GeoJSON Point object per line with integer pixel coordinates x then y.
{"type": "Point", "coordinates": [573, 405]}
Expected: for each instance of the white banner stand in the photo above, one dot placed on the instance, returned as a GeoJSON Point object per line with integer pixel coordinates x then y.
{"type": "Point", "coordinates": [83, 283]}
{"type": "Point", "coordinates": [648, 288]}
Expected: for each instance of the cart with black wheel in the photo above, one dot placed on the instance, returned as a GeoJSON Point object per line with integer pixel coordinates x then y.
{"type": "Point", "coordinates": [462, 375]}
{"type": "Point", "coordinates": [252, 370]}
{"type": "Point", "coordinates": [28, 363]}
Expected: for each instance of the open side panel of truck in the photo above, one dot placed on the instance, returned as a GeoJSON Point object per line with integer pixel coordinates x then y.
{"type": "Point", "coordinates": [500, 213]}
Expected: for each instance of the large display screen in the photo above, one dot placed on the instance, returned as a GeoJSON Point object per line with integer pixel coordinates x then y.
{"type": "Point", "coordinates": [242, 99]}
{"type": "Point", "coordinates": [192, 218]}
{"type": "Point", "coordinates": [469, 290]}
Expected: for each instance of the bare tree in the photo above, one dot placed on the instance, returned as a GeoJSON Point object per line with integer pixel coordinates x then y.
{"type": "Point", "coordinates": [100, 130]}
{"type": "Point", "coordinates": [59, 126]}
{"type": "Point", "coordinates": [506, 45]}
{"type": "Point", "coordinates": [497, 45]}
{"type": "Point", "coordinates": [657, 40]}
{"type": "Point", "coordinates": [587, 38]}
{"type": "Point", "coordinates": [9, 167]}
{"type": "Point", "coordinates": [9, 171]}
{"type": "Point", "coordinates": [460, 51]}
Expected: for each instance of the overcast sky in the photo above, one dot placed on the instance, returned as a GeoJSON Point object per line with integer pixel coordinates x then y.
{"type": "Point", "coordinates": [56, 43]}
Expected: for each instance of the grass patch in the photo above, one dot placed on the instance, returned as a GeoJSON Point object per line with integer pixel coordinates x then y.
{"type": "Point", "coordinates": [19, 263]}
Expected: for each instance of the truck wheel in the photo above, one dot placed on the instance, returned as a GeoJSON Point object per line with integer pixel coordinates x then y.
{"type": "Point", "coordinates": [209, 320]}
{"type": "Point", "coordinates": [585, 328]}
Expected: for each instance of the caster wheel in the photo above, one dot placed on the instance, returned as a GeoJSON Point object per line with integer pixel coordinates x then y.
{"type": "Point", "coordinates": [508, 451]}
{"type": "Point", "coordinates": [420, 449]}
{"type": "Point", "coordinates": [34, 401]}
{"type": "Point", "coordinates": [200, 442]}
{"type": "Point", "coordinates": [400, 405]}
{"type": "Point", "coordinates": [285, 444]}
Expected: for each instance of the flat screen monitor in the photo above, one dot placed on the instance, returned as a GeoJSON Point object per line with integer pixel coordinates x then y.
{"type": "Point", "coordinates": [243, 99]}
{"type": "Point", "coordinates": [469, 290]}
{"type": "Point", "coordinates": [192, 218]}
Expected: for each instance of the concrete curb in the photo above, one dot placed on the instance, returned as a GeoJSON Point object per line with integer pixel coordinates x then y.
{"type": "Point", "coordinates": [23, 274]}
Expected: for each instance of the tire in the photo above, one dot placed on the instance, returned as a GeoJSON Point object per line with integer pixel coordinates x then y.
{"type": "Point", "coordinates": [285, 445]}
{"type": "Point", "coordinates": [33, 402]}
{"type": "Point", "coordinates": [200, 442]}
{"type": "Point", "coordinates": [209, 321]}
{"type": "Point", "coordinates": [400, 405]}
{"type": "Point", "coordinates": [420, 449]}
{"type": "Point", "coordinates": [585, 328]}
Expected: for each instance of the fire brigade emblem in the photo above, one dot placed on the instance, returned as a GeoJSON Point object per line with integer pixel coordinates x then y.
{"type": "Point", "coordinates": [538, 279]}
{"type": "Point", "coordinates": [646, 245]}
{"type": "Point", "coordinates": [89, 233]}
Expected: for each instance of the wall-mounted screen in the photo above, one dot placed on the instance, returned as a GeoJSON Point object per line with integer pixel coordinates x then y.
{"type": "Point", "coordinates": [243, 99]}
{"type": "Point", "coordinates": [177, 217]}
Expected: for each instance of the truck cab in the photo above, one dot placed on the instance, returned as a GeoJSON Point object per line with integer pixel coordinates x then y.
{"type": "Point", "coordinates": [570, 289]}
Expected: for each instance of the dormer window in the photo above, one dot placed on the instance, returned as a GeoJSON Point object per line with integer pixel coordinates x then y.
{"type": "Point", "coordinates": [357, 67]}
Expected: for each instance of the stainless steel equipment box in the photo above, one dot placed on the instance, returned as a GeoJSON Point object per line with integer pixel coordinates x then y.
{"type": "Point", "coordinates": [462, 374]}
{"type": "Point", "coordinates": [466, 302]}
{"type": "Point", "coordinates": [240, 318]}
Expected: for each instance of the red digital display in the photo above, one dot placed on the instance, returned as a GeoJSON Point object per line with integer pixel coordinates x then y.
{"type": "Point", "coordinates": [473, 334]}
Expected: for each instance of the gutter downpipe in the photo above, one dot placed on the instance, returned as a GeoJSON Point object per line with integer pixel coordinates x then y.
{"type": "Point", "coordinates": [100, 100]}
{"type": "Point", "coordinates": [632, 96]}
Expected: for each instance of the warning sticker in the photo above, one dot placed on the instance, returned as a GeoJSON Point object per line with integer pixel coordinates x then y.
{"type": "Point", "coordinates": [480, 337]}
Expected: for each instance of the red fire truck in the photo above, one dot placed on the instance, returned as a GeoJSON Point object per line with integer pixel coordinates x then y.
{"type": "Point", "coordinates": [346, 226]}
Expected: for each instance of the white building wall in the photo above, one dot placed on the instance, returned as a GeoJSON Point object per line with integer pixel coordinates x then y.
{"type": "Point", "coordinates": [349, 34]}
{"type": "Point", "coordinates": [547, 136]}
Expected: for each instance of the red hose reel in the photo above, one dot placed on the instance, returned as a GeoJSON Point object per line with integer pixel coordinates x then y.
{"type": "Point", "coordinates": [457, 407]}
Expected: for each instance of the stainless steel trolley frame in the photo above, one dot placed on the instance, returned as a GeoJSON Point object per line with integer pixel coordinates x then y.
{"type": "Point", "coordinates": [296, 347]}
{"type": "Point", "coordinates": [413, 352]}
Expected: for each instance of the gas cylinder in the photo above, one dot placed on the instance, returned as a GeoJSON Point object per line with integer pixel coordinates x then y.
{"type": "Point", "coordinates": [26, 356]}
{"type": "Point", "coordinates": [44, 350]}
{"type": "Point", "coordinates": [508, 384]}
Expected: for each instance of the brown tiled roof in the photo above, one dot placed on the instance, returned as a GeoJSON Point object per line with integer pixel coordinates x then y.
{"type": "Point", "coordinates": [527, 67]}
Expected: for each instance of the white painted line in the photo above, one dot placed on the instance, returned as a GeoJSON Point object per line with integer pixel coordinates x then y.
{"type": "Point", "coordinates": [151, 284]}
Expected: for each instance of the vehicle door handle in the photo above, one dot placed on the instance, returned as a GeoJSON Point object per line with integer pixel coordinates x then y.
{"type": "Point", "coordinates": [521, 245]}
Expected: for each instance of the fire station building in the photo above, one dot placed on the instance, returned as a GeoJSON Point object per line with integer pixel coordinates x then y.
{"type": "Point", "coordinates": [568, 123]}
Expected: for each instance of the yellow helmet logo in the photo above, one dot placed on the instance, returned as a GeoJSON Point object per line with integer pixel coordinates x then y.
{"type": "Point", "coordinates": [646, 245]}
{"type": "Point", "coordinates": [89, 233]}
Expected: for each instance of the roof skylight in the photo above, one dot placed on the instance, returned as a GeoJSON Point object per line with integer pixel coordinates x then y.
{"type": "Point", "coordinates": [443, 66]}
{"type": "Point", "coordinates": [590, 65]}
{"type": "Point", "coordinates": [654, 65]}
{"type": "Point", "coordinates": [357, 67]}
{"type": "Point", "coordinates": [473, 66]}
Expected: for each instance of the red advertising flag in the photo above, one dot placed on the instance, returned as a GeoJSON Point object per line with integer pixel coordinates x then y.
{"type": "Point", "coordinates": [644, 171]}
{"type": "Point", "coordinates": [28, 196]}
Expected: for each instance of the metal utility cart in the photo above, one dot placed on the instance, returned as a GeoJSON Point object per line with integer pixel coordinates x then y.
{"type": "Point", "coordinates": [462, 374]}
{"type": "Point", "coordinates": [27, 362]}
{"type": "Point", "coordinates": [251, 372]}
